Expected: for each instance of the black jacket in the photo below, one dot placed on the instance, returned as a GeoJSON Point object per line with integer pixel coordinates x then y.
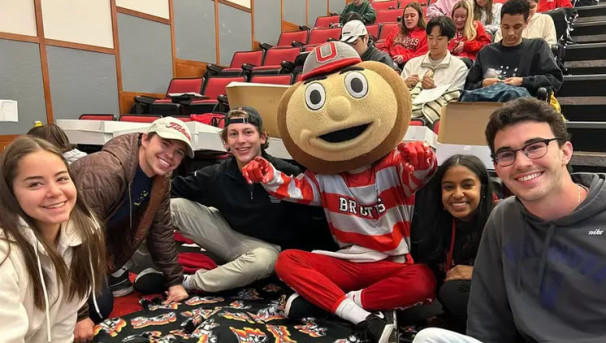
{"type": "Point", "coordinates": [374, 54]}
{"type": "Point", "coordinates": [250, 210]}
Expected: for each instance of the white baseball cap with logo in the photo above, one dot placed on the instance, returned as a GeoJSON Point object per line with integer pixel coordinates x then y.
{"type": "Point", "coordinates": [352, 30]}
{"type": "Point", "coordinates": [173, 128]}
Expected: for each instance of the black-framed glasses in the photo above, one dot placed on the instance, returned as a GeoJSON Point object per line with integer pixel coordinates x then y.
{"type": "Point", "coordinates": [533, 151]}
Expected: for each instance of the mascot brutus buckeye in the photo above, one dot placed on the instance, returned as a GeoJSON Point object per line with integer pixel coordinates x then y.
{"type": "Point", "coordinates": [345, 122]}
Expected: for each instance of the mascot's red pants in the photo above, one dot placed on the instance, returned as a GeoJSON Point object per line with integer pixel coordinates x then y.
{"type": "Point", "coordinates": [324, 280]}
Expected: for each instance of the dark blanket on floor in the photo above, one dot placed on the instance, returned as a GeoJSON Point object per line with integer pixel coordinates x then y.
{"type": "Point", "coordinates": [252, 314]}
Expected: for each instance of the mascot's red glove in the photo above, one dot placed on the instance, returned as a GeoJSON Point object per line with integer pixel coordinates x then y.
{"type": "Point", "coordinates": [258, 170]}
{"type": "Point", "coordinates": [415, 156]}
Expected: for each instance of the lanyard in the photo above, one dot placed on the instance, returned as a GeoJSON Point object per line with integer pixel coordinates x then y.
{"type": "Point", "coordinates": [451, 249]}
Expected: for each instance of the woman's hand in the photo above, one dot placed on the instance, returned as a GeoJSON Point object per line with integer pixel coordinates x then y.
{"type": "Point", "coordinates": [459, 272]}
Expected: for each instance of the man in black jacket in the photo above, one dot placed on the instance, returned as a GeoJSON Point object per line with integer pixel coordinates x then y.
{"type": "Point", "coordinates": [514, 60]}
{"type": "Point", "coordinates": [240, 224]}
{"type": "Point", "coordinates": [355, 34]}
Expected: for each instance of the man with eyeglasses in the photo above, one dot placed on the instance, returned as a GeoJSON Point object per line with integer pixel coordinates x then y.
{"type": "Point", "coordinates": [540, 271]}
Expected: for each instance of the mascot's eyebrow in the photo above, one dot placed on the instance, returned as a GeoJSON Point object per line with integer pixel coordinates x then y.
{"type": "Point", "coordinates": [315, 78]}
{"type": "Point", "coordinates": [350, 69]}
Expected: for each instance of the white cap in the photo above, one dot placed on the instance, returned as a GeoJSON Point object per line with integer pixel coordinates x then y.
{"type": "Point", "coordinates": [173, 128]}
{"type": "Point", "coordinates": [352, 30]}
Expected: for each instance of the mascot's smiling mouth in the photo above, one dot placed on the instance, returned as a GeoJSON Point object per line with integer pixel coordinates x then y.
{"type": "Point", "coordinates": [344, 134]}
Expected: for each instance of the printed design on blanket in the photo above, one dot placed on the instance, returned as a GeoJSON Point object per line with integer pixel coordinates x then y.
{"type": "Point", "coordinates": [249, 335]}
{"type": "Point", "coordinates": [162, 319]}
{"type": "Point", "coordinates": [112, 327]}
{"type": "Point", "coordinates": [254, 314]}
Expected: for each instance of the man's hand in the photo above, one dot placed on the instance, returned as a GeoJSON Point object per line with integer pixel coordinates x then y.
{"type": "Point", "coordinates": [258, 170]}
{"type": "Point", "coordinates": [428, 81]}
{"type": "Point", "coordinates": [458, 49]}
{"type": "Point", "coordinates": [175, 294]}
{"type": "Point", "coordinates": [415, 155]}
{"type": "Point", "coordinates": [514, 81]}
{"type": "Point", "coordinates": [412, 80]}
{"type": "Point", "coordinates": [459, 272]}
{"type": "Point", "coordinates": [399, 59]}
{"type": "Point", "coordinates": [84, 331]}
{"type": "Point", "coordinates": [489, 81]}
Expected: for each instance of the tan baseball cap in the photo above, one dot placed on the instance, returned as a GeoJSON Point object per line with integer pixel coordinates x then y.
{"type": "Point", "coordinates": [173, 128]}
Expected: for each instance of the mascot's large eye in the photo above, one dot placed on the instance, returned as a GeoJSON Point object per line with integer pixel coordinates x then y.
{"type": "Point", "coordinates": [356, 84]}
{"type": "Point", "coordinates": [315, 96]}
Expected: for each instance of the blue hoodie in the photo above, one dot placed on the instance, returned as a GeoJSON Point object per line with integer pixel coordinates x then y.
{"type": "Point", "coordinates": [542, 281]}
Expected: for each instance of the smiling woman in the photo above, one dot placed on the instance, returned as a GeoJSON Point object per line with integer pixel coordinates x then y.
{"type": "Point", "coordinates": [44, 227]}
{"type": "Point", "coordinates": [452, 211]}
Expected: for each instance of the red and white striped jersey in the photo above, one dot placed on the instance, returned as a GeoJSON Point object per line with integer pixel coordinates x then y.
{"type": "Point", "coordinates": [369, 212]}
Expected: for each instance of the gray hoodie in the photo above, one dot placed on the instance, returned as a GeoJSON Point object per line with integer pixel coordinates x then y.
{"type": "Point", "coordinates": [538, 281]}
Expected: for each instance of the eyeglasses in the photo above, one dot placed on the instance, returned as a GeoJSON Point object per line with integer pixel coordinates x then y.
{"type": "Point", "coordinates": [533, 151]}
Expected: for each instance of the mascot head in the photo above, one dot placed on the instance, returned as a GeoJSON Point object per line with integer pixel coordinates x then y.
{"type": "Point", "coordinates": [345, 113]}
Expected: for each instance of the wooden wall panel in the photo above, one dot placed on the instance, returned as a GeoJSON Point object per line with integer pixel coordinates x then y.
{"type": "Point", "coordinates": [127, 99]}
{"type": "Point", "coordinates": [187, 68]}
{"type": "Point", "coordinates": [288, 26]}
{"type": "Point", "coordinates": [6, 140]}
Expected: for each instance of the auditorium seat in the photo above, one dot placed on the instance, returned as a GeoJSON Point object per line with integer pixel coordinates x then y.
{"type": "Point", "coordinates": [326, 21]}
{"type": "Point", "coordinates": [388, 16]}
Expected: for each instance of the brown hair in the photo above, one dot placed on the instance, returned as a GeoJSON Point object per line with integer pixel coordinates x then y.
{"type": "Point", "coordinates": [53, 134]}
{"type": "Point", "coordinates": [469, 30]}
{"type": "Point", "coordinates": [477, 11]}
{"type": "Point", "coordinates": [421, 23]}
{"type": "Point", "coordinates": [243, 114]}
{"type": "Point", "coordinates": [525, 109]}
{"type": "Point", "coordinates": [75, 279]}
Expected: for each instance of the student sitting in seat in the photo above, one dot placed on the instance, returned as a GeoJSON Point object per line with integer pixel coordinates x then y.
{"type": "Point", "coordinates": [515, 60]}
{"type": "Point", "coordinates": [539, 26]}
{"type": "Point", "coordinates": [488, 13]}
{"type": "Point", "coordinates": [361, 7]}
{"type": "Point", "coordinates": [470, 36]}
{"type": "Point", "coordinates": [355, 34]}
{"type": "Point", "coordinates": [450, 219]}
{"type": "Point", "coordinates": [436, 68]}
{"type": "Point", "coordinates": [408, 39]}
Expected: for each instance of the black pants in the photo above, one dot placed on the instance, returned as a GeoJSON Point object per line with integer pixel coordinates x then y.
{"type": "Point", "coordinates": [454, 296]}
{"type": "Point", "coordinates": [105, 300]}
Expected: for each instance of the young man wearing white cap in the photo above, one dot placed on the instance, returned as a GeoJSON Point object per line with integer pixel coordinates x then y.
{"type": "Point", "coordinates": [355, 34]}
{"type": "Point", "coordinates": [127, 185]}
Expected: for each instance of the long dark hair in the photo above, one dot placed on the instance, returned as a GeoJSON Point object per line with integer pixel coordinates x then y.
{"type": "Point", "coordinates": [53, 134]}
{"type": "Point", "coordinates": [421, 23]}
{"type": "Point", "coordinates": [432, 223]}
{"type": "Point", "coordinates": [76, 279]}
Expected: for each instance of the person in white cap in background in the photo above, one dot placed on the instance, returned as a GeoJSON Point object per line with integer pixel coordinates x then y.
{"type": "Point", "coordinates": [355, 34]}
{"type": "Point", "coordinates": [127, 185]}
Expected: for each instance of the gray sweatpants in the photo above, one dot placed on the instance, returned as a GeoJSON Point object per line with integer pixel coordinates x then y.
{"type": "Point", "coordinates": [246, 259]}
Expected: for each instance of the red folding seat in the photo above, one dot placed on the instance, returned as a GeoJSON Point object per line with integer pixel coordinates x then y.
{"type": "Point", "coordinates": [253, 58]}
{"type": "Point", "coordinates": [213, 88]}
{"type": "Point", "coordinates": [373, 31]}
{"type": "Point", "coordinates": [388, 16]}
{"type": "Point", "coordinates": [147, 118]}
{"type": "Point", "coordinates": [287, 38]}
{"type": "Point", "coordinates": [105, 117]}
{"type": "Point", "coordinates": [385, 5]}
{"type": "Point", "coordinates": [319, 36]}
{"type": "Point", "coordinates": [326, 21]}
{"type": "Point", "coordinates": [280, 79]}
{"type": "Point", "coordinates": [274, 57]}
{"type": "Point", "coordinates": [166, 106]}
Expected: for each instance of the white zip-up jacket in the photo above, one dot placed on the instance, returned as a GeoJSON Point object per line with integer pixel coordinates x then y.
{"type": "Point", "coordinates": [20, 320]}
